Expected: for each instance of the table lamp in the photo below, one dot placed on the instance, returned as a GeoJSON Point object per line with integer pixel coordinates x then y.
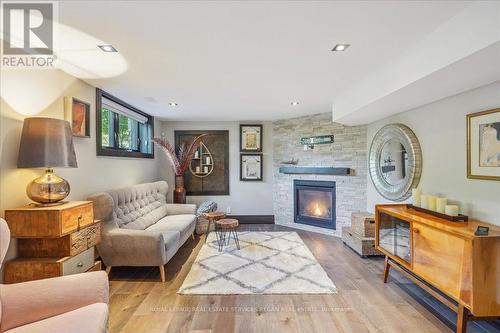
{"type": "Point", "coordinates": [47, 143]}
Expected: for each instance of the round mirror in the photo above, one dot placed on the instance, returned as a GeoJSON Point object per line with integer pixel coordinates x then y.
{"type": "Point", "coordinates": [395, 161]}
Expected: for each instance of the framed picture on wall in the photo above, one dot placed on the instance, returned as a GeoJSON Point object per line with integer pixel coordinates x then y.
{"type": "Point", "coordinates": [251, 167]}
{"type": "Point", "coordinates": [483, 145]}
{"type": "Point", "coordinates": [251, 138]}
{"type": "Point", "coordinates": [77, 113]}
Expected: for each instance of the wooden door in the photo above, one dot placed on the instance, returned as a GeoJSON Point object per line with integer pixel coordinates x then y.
{"type": "Point", "coordinates": [443, 260]}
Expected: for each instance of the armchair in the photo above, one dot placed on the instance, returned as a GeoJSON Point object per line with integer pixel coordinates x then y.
{"type": "Point", "coordinates": [72, 303]}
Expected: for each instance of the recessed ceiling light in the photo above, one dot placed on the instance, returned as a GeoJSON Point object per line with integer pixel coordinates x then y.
{"type": "Point", "coordinates": [173, 104]}
{"type": "Point", "coordinates": [107, 48]}
{"type": "Point", "coordinates": [340, 47]}
{"type": "Point", "coordinates": [294, 103]}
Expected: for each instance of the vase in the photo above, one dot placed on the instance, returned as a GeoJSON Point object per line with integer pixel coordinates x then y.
{"type": "Point", "coordinates": [179, 191]}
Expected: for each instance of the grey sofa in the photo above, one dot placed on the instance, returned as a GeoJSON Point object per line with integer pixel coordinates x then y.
{"type": "Point", "coordinates": [139, 227]}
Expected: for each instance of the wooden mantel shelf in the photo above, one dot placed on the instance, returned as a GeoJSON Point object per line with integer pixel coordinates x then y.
{"type": "Point", "coordinates": [316, 170]}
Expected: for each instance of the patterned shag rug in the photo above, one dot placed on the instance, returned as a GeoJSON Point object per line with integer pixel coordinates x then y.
{"type": "Point", "coordinates": [267, 263]}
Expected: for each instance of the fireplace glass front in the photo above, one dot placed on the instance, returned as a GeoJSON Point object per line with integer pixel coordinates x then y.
{"type": "Point", "coordinates": [315, 203]}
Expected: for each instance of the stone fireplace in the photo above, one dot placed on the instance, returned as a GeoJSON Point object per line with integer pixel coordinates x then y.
{"type": "Point", "coordinates": [314, 203]}
{"type": "Point", "coordinates": [348, 150]}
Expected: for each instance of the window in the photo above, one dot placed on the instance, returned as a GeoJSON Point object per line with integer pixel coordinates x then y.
{"type": "Point", "coordinates": [122, 130]}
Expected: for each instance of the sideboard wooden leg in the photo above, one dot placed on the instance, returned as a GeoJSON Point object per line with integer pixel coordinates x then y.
{"type": "Point", "coordinates": [108, 269]}
{"type": "Point", "coordinates": [462, 315]}
{"type": "Point", "coordinates": [386, 269]}
{"type": "Point", "coordinates": [162, 273]}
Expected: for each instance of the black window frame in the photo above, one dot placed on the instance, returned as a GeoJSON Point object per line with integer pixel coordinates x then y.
{"type": "Point", "coordinates": [116, 151]}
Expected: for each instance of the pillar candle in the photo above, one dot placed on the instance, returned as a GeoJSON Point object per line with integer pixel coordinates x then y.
{"type": "Point", "coordinates": [415, 195]}
{"type": "Point", "coordinates": [208, 160]}
{"type": "Point", "coordinates": [196, 154]}
{"type": "Point", "coordinates": [441, 204]}
{"type": "Point", "coordinates": [451, 210]}
{"type": "Point", "coordinates": [198, 169]}
{"type": "Point", "coordinates": [424, 203]}
{"type": "Point", "coordinates": [431, 202]}
{"type": "Point", "coordinates": [205, 169]}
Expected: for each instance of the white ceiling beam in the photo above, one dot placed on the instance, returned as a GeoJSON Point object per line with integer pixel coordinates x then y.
{"type": "Point", "coordinates": [467, 40]}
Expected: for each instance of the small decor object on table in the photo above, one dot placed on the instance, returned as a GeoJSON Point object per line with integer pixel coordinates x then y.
{"type": "Point", "coordinates": [225, 229]}
{"type": "Point", "coordinates": [251, 138]}
{"type": "Point", "coordinates": [483, 145]}
{"type": "Point", "coordinates": [47, 143]}
{"type": "Point", "coordinates": [251, 167]}
{"type": "Point", "coordinates": [212, 218]}
{"type": "Point", "coordinates": [180, 162]}
{"type": "Point", "coordinates": [77, 113]}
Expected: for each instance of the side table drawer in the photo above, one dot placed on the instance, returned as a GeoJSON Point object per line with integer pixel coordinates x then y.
{"type": "Point", "coordinates": [77, 218]}
{"type": "Point", "coordinates": [48, 222]}
{"type": "Point", "coordinates": [28, 269]}
{"type": "Point", "coordinates": [79, 263]}
{"type": "Point", "coordinates": [65, 246]}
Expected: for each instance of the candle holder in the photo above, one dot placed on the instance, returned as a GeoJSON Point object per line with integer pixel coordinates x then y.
{"type": "Point", "coordinates": [458, 218]}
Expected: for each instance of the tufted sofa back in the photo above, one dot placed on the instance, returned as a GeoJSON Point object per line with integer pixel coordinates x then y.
{"type": "Point", "coordinates": [139, 206]}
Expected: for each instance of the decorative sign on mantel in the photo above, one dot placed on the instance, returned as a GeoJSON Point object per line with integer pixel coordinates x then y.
{"type": "Point", "coordinates": [310, 142]}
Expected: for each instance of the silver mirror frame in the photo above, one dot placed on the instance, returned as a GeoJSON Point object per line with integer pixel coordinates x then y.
{"type": "Point", "coordinates": [410, 142]}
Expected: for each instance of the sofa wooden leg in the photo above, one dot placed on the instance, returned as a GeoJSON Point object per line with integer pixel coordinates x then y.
{"type": "Point", "coordinates": [162, 273]}
{"type": "Point", "coordinates": [192, 235]}
{"type": "Point", "coordinates": [108, 269]}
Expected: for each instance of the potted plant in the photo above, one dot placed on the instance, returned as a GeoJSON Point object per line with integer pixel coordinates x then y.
{"type": "Point", "coordinates": [179, 160]}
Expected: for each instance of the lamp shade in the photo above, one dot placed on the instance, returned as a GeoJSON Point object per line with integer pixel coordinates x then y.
{"type": "Point", "coordinates": [47, 143]}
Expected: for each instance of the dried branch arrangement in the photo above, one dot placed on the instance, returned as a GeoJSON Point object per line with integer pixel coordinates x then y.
{"type": "Point", "coordinates": [181, 158]}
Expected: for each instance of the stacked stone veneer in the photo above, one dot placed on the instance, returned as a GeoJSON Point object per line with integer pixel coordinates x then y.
{"type": "Point", "coordinates": [348, 150]}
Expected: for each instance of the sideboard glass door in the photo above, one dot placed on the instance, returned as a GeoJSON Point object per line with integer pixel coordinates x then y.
{"type": "Point", "coordinates": [394, 236]}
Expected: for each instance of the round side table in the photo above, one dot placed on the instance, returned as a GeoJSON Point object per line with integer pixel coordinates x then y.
{"type": "Point", "coordinates": [225, 228]}
{"type": "Point", "coordinates": [212, 218]}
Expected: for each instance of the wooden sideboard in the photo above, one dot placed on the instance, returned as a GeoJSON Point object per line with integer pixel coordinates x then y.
{"type": "Point", "coordinates": [52, 241]}
{"type": "Point", "coordinates": [438, 254]}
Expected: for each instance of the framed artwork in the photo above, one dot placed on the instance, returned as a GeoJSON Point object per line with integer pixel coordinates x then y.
{"type": "Point", "coordinates": [208, 173]}
{"type": "Point", "coordinates": [251, 138]}
{"type": "Point", "coordinates": [483, 145]}
{"type": "Point", "coordinates": [77, 113]}
{"type": "Point", "coordinates": [251, 167]}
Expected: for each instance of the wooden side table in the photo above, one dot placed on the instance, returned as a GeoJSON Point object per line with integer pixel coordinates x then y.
{"type": "Point", "coordinates": [52, 241]}
{"type": "Point", "coordinates": [212, 218]}
{"type": "Point", "coordinates": [227, 228]}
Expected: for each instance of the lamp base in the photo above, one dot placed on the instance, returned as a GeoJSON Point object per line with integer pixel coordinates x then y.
{"type": "Point", "coordinates": [48, 190]}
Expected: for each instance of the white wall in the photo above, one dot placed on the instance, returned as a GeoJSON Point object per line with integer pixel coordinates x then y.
{"type": "Point", "coordinates": [246, 198]}
{"type": "Point", "coordinates": [94, 173]}
{"type": "Point", "coordinates": [441, 130]}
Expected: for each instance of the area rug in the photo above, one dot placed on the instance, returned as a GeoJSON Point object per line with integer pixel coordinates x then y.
{"type": "Point", "coordinates": [266, 263]}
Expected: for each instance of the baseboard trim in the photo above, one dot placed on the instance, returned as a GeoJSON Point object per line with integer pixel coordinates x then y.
{"type": "Point", "coordinates": [253, 219]}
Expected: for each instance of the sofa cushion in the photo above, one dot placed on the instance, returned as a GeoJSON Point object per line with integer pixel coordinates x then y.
{"type": "Point", "coordinates": [91, 318]}
{"type": "Point", "coordinates": [140, 206]}
{"type": "Point", "coordinates": [182, 223]}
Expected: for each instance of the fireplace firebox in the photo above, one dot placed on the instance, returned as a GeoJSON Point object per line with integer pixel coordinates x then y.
{"type": "Point", "coordinates": [314, 203]}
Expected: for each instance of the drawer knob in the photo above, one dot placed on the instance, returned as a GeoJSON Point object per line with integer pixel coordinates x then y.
{"type": "Point", "coordinates": [415, 230]}
{"type": "Point", "coordinates": [80, 264]}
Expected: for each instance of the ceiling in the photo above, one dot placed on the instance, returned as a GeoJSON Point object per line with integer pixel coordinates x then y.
{"type": "Point", "coordinates": [247, 60]}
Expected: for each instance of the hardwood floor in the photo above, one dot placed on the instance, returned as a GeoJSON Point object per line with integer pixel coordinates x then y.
{"type": "Point", "coordinates": [140, 303]}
